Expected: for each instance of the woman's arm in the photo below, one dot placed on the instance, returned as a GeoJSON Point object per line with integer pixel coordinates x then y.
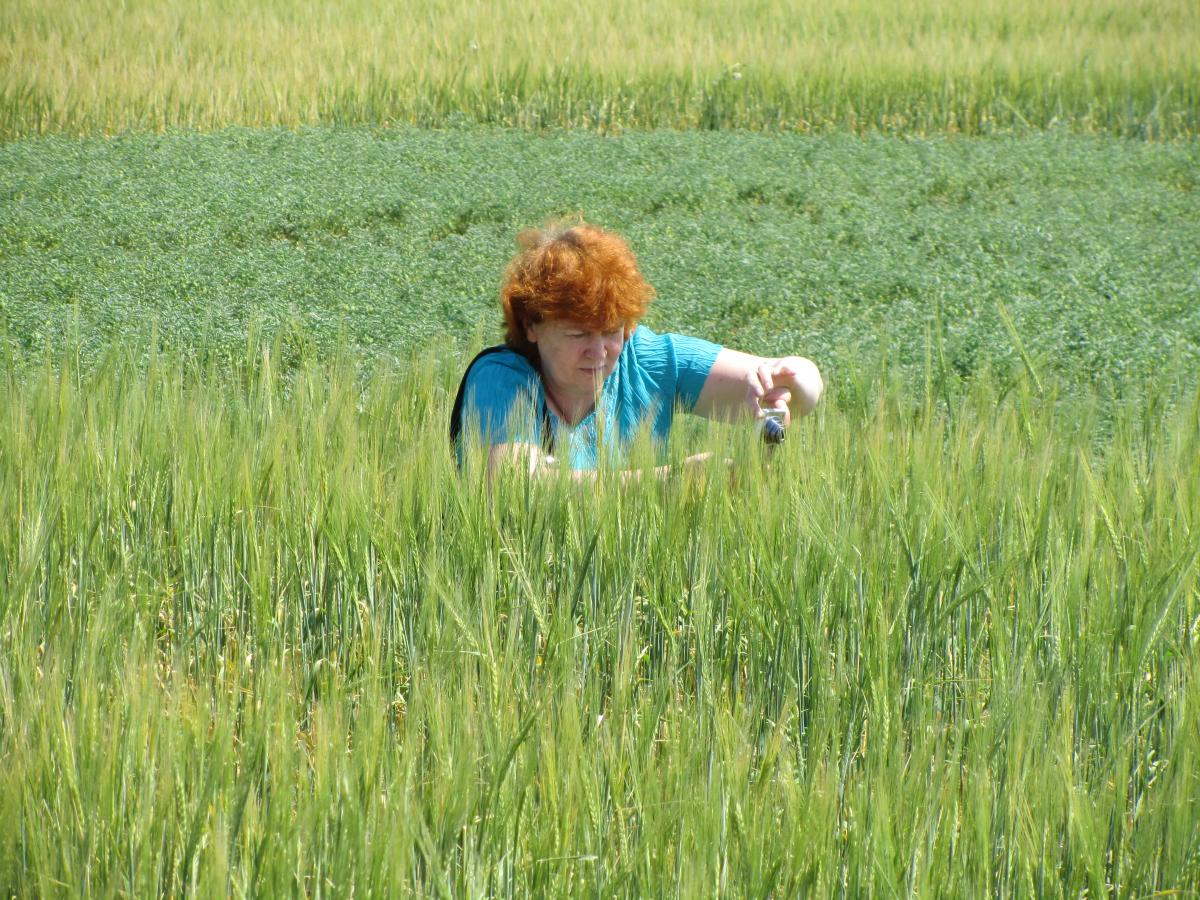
{"type": "Point", "coordinates": [539, 464]}
{"type": "Point", "coordinates": [741, 384]}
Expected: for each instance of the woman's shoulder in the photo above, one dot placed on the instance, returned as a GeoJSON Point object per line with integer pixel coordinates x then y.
{"type": "Point", "coordinates": [499, 366]}
{"type": "Point", "coordinates": [643, 335]}
{"type": "Point", "coordinates": [651, 346]}
{"type": "Point", "coordinates": [502, 356]}
{"type": "Point", "coordinates": [673, 364]}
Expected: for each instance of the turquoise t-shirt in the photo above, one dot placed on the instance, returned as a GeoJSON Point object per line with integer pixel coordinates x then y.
{"type": "Point", "coordinates": [505, 401]}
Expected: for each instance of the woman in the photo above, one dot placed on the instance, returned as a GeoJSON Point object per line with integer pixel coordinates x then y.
{"type": "Point", "coordinates": [577, 377]}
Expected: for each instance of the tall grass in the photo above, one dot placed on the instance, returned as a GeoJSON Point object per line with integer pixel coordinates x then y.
{"type": "Point", "coordinates": [257, 636]}
{"type": "Point", "coordinates": [1103, 65]}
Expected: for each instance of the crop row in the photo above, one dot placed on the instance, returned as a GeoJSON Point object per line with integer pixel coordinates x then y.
{"type": "Point", "coordinates": [257, 637]}
{"type": "Point", "coordinates": [840, 248]}
{"type": "Point", "coordinates": [1126, 68]}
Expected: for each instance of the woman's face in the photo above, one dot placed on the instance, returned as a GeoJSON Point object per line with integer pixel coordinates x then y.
{"type": "Point", "coordinates": [576, 356]}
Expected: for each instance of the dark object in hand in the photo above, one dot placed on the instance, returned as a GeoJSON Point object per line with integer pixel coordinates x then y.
{"type": "Point", "coordinates": [773, 431]}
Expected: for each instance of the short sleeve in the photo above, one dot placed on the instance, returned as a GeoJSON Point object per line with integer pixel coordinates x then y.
{"type": "Point", "coordinates": [694, 358]}
{"type": "Point", "coordinates": [501, 399]}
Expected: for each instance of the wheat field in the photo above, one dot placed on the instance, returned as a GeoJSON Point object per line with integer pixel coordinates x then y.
{"type": "Point", "coordinates": [257, 637]}
{"type": "Point", "coordinates": [907, 66]}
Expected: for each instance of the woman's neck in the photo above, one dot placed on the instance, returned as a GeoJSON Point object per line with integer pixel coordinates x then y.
{"type": "Point", "coordinates": [570, 406]}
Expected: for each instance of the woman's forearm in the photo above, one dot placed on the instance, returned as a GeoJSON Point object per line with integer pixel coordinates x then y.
{"type": "Point", "coordinates": [540, 465]}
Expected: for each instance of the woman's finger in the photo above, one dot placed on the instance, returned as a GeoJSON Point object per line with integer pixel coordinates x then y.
{"type": "Point", "coordinates": [754, 392]}
{"type": "Point", "coordinates": [778, 396]}
{"type": "Point", "coordinates": [766, 376]}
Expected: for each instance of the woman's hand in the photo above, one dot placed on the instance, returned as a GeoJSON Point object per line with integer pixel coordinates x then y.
{"type": "Point", "coordinates": [774, 384]}
{"type": "Point", "coordinates": [763, 392]}
{"type": "Point", "coordinates": [740, 383]}
{"type": "Point", "coordinates": [538, 464]}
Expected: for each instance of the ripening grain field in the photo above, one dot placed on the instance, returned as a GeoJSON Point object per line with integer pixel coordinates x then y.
{"type": "Point", "coordinates": [1125, 67]}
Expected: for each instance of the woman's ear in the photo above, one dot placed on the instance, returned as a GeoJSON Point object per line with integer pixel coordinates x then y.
{"type": "Point", "coordinates": [531, 332]}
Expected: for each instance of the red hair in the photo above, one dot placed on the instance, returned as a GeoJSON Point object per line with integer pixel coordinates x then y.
{"type": "Point", "coordinates": [581, 274]}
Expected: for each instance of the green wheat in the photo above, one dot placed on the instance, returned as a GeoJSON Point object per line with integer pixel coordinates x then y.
{"type": "Point", "coordinates": [258, 637]}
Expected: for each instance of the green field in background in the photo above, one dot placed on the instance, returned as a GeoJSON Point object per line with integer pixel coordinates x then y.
{"type": "Point", "coordinates": [1127, 68]}
{"type": "Point", "coordinates": [841, 248]}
